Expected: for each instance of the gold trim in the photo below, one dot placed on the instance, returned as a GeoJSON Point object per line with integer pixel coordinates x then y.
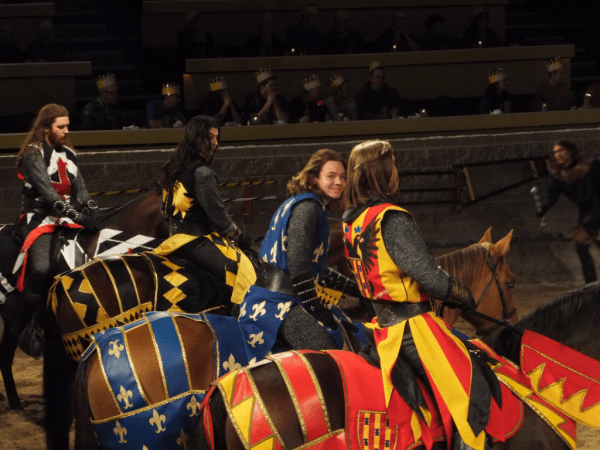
{"type": "Point", "coordinates": [322, 438]}
{"type": "Point", "coordinates": [114, 285]}
{"type": "Point", "coordinates": [132, 277]}
{"type": "Point", "coordinates": [318, 388]}
{"type": "Point", "coordinates": [345, 388]}
{"type": "Point", "coordinates": [217, 352]}
{"type": "Point", "coordinates": [157, 352]}
{"type": "Point", "coordinates": [94, 342]}
{"type": "Point", "coordinates": [149, 262]}
{"type": "Point", "coordinates": [100, 305]}
{"type": "Point", "coordinates": [132, 365]}
{"type": "Point", "coordinates": [66, 291]}
{"type": "Point", "coordinates": [183, 353]}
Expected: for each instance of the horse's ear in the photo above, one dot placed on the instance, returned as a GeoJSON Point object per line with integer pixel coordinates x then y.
{"type": "Point", "coordinates": [501, 247]}
{"type": "Point", "coordinates": [487, 237]}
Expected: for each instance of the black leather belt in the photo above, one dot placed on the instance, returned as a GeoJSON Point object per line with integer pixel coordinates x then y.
{"type": "Point", "coordinates": [391, 313]}
{"type": "Point", "coordinates": [274, 279]}
{"type": "Point", "coordinates": [177, 226]}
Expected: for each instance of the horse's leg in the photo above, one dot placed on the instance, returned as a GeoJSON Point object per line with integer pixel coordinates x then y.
{"type": "Point", "coordinates": [8, 346]}
{"type": "Point", "coordinates": [85, 439]}
{"type": "Point", "coordinates": [534, 434]}
{"type": "Point", "coordinates": [59, 372]}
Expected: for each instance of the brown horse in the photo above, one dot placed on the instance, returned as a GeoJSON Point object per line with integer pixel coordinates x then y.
{"type": "Point", "coordinates": [469, 265]}
{"type": "Point", "coordinates": [572, 319]}
{"type": "Point", "coordinates": [140, 216]}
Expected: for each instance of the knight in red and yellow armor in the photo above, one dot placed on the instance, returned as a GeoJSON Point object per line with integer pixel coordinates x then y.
{"type": "Point", "coordinates": [394, 270]}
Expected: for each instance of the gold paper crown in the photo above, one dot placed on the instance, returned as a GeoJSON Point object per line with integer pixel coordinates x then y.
{"type": "Point", "coordinates": [218, 83]}
{"type": "Point", "coordinates": [310, 8]}
{"type": "Point", "coordinates": [335, 81]}
{"type": "Point", "coordinates": [170, 89]}
{"type": "Point", "coordinates": [311, 82]}
{"type": "Point", "coordinates": [263, 74]}
{"type": "Point", "coordinates": [555, 63]}
{"type": "Point", "coordinates": [105, 80]}
{"type": "Point", "coordinates": [376, 65]}
{"type": "Point", "coordinates": [496, 75]}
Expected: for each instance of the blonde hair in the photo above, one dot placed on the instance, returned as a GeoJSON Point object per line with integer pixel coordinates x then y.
{"type": "Point", "coordinates": [305, 180]}
{"type": "Point", "coordinates": [371, 171]}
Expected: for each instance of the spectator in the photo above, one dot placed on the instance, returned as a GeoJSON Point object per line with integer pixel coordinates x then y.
{"type": "Point", "coordinates": [376, 100]}
{"type": "Point", "coordinates": [264, 44]}
{"type": "Point", "coordinates": [496, 96]}
{"type": "Point", "coordinates": [218, 104]}
{"type": "Point", "coordinates": [396, 38]}
{"type": "Point", "coordinates": [342, 40]}
{"type": "Point", "coordinates": [266, 103]}
{"type": "Point", "coordinates": [591, 99]}
{"type": "Point", "coordinates": [303, 38]}
{"type": "Point", "coordinates": [478, 34]}
{"type": "Point", "coordinates": [435, 37]}
{"type": "Point", "coordinates": [309, 106]}
{"type": "Point", "coordinates": [194, 41]}
{"type": "Point", "coordinates": [103, 113]}
{"type": "Point", "coordinates": [166, 112]}
{"type": "Point", "coordinates": [554, 95]}
{"type": "Point", "coordinates": [9, 52]}
{"type": "Point", "coordinates": [340, 101]}
{"type": "Point", "coordinates": [46, 48]}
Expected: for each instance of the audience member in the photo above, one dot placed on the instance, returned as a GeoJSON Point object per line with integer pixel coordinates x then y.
{"type": "Point", "coordinates": [309, 106]}
{"type": "Point", "coordinates": [396, 38]}
{"type": "Point", "coordinates": [218, 104]}
{"type": "Point", "coordinates": [264, 43]}
{"type": "Point", "coordinates": [303, 38]}
{"type": "Point", "coordinates": [554, 95]}
{"type": "Point", "coordinates": [340, 101]}
{"type": "Point", "coordinates": [435, 37]}
{"type": "Point", "coordinates": [46, 48]}
{"type": "Point", "coordinates": [376, 100]}
{"type": "Point", "coordinates": [496, 96]}
{"type": "Point", "coordinates": [342, 40]}
{"type": "Point", "coordinates": [591, 99]}
{"type": "Point", "coordinates": [9, 52]}
{"type": "Point", "coordinates": [266, 103]}
{"type": "Point", "coordinates": [478, 34]}
{"type": "Point", "coordinates": [103, 113]}
{"type": "Point", "coordinates": [166, 112]}
{"type": "Point", "coordinates": [194, 41]}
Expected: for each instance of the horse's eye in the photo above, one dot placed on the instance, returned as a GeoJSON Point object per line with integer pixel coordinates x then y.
{"type": "Point", "coordinates": [510, 285]}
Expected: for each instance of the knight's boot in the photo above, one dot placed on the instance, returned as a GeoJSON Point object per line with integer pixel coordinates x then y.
{"type": "Point", "coordinates": [31, 340]}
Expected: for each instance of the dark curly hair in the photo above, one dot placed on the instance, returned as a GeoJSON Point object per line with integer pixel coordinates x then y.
{"type": "Point", "coordinates": [195, 145]}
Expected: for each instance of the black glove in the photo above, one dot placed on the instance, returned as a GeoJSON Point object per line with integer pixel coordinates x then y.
{"type": "Point", "coordinates": [65, 209]}
{"type": "Point", "coordinates": [304, 288]}
{"type": "Point", "coordinates": [459, 296]}
{"type": "Point", "coordinates": [245, 241]}
{"type": "Point", "coordinates": [91, 210]}
{"type": "Point", "coordinates": [88, 223]}
{"type": "Point", "coordinates": [339, 282]}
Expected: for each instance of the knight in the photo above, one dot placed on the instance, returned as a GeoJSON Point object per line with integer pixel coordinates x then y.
{"type": "Point", "coordinates": [53, 195]}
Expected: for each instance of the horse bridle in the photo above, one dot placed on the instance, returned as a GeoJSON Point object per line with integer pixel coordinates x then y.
{"type": "Point", "coordinates": [506, 314]}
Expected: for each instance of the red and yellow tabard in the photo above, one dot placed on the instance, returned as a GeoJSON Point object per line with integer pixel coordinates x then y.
{"type": "Point", "coordinates": [377, 275]}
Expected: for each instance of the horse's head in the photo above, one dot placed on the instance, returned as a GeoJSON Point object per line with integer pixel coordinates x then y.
{"type": "Point", "coordinates": [484, 269]}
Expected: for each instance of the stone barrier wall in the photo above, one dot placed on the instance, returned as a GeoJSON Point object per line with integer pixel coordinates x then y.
{"type": "Point", "coordinates": [538, 253]}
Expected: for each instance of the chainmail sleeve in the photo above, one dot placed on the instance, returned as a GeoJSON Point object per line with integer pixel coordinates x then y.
{"type": "Point", "coordinates": [35, 172]}
{"type": "Point", "coordinates": [80, 192]}
{"type": "Point", "coordinates": [408, 250]}
{"type": "Point", "coordinates": [301, 232]}
{"type": "Point", "coordinates": [206, 191]}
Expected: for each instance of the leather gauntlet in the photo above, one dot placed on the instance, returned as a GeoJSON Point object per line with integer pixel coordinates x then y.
{"type": "Point", "coordinates": [303, 286]}
{"type": "Point", "coordinates": [459, 296]}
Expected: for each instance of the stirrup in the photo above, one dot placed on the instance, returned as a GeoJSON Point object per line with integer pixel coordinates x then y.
{"type": "Point", "coordinates": [31, 341]}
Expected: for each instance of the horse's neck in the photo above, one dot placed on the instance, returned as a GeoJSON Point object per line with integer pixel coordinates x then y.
{"type": "Point", "coordinates": [462, 264]}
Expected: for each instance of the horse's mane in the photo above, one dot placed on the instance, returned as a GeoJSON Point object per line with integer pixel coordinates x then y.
{"type": "Point", "coordinates": [559, 319]}
{"type": "Point", "coordinates": [462, 264]}
{"type": "Point", "coordinates": [115, 213]}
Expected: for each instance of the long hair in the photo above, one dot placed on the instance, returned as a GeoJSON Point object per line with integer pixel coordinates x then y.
{"type": "Point", "coordinates": [371, 171]}
{"type": "Point", "coordinates": [195, 145]}
{"type": "Point", "coordinates": [306, 179]}
{"type": "Point", "coordinates": [42, 123]}
{"type": "Point", "coordinates": [570, 146]}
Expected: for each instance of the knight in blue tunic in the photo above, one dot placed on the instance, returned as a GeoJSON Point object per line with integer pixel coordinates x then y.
{"type": "Point", "coordinates": [297, 242]}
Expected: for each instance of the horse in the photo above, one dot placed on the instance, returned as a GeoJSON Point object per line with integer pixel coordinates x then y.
{"type": "Point", "coordinates": [470, 265]}
{"type": "Point", "coordinates": [572, 319]}
{"type": "Point", "coordinates": [141, 215]}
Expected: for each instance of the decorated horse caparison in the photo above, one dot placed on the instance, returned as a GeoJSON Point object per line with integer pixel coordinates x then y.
{"type": "Point", "coordinates": [204, 356]}
{"type": "Point", "coordinates": [141, 216]}
{"type": "Point", "coordinates": [317, 400]}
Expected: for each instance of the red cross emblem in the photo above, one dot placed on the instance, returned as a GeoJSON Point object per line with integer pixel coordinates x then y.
{"type": "Point", "coordinates": [63, 187]}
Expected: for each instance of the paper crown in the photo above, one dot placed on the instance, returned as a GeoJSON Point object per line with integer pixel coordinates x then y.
{"type": "Point", "coordinates": [106, 80]}
{"type": "Point", "coordinates": [218, 83]}
{"type": "Point", "coordinates": [310, 8]}
{"type": "Point", "coordinates": [311, 82]}
{"type": "Point", "coordinates": [170, 89]}
{"type": "Point", "coordinates": [555, 63]}
{"type": "Point", "coordinates": [342, 13]}
{"type": "Point", "coordinates": [335, 81]}
{"type": "Point", "coordinates": [263, 74]}
{"type": "Point", "coordinates": [496, 75]}
{"type": "Point", "coordinates": [376, 65]}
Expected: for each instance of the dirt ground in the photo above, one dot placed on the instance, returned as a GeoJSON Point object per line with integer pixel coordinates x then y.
{"type": "Point", "coordinates": [24, 431]}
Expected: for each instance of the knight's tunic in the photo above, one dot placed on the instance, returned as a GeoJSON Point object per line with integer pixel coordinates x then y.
{"type": "Point", "coordinates": [263, 311]}
{"type": "Point", "coordinates": [446, 360]}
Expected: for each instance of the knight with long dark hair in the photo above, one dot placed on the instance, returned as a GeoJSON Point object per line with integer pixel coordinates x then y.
{"type": "Point", "coordinates": [54, 194]}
